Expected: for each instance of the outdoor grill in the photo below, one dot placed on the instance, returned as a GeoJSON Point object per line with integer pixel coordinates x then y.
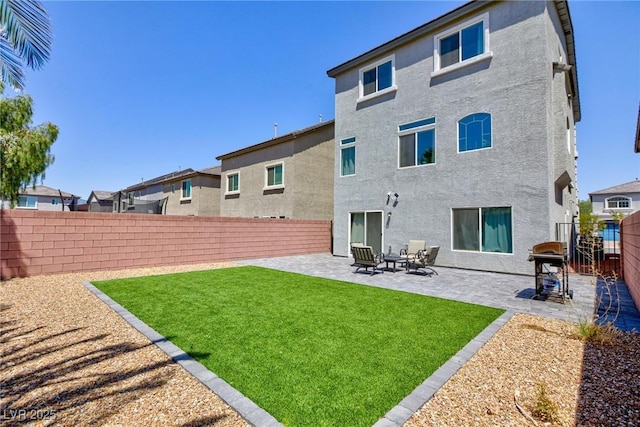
{"type": "Point", "coordinates": [551, 270]}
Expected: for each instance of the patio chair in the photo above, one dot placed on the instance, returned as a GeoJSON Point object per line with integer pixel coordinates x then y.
{"type": "Point", "coordinates": [412, 250]}
{"type": "Point", "coordinates": [423, 261]}
{"type": "Point", "coordinates": [363, 257]}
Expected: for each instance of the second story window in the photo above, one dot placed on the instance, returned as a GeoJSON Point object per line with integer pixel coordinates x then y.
{"type": "Point", "coordinates": [130, 198]}
{"type": "Point", "coordinates": [233, 183]}
{"type": "Point", "coordinates": [186, 189]}
{"type": "Point", "coordinates": [274, 175]}
{"type": "Point", "coordinates": [462, 44]}
{"type": "Point", "coordinates": [348, 157]}
{"type": "Point", "coordinates": [377, 78]}
{"type": "Point", "coordinates": [417, 143]}
{"type": "Point", "coordinates": [618, 202]}
{"type": "Point", "coordinates": [474, 132]}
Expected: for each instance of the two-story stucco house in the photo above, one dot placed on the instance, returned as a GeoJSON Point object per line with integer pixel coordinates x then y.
{"type": "Point", "coordinates": [290, 176]}
{"type": "Point", "coordinates": [194, 193]}
{"type": "Point", "coordinates": [461, 133]}
{"type": "Point", "coordinates": [611, 205]}
{"type": "Point", "coordinates": [145, 197]}
{"type": "Point", "coordinates": [43, 198]}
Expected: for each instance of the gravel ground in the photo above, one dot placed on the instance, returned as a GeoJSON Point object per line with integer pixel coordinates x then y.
{"type": "Point", "coordinates": [66, 359]}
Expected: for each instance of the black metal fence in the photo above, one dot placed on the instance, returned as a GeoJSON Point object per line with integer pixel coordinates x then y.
{"type": "Point", "coordinates": [593, 248]}
{"type": "Point", "coordinates": [145, 207]}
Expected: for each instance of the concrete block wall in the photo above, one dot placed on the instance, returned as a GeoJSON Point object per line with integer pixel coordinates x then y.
{"type": "Point", "coordinates": [630, 249]}
{"type": "Point", "coordinates": [36, 242]}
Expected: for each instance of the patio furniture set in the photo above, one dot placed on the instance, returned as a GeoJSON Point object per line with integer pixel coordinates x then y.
{"type": "Point", "coordinates": [415, 258]}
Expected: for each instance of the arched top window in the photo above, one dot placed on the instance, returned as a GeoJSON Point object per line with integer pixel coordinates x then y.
{"type": "Point", "coordinates": [618, 202]}
{"type": "Point", "coordinates": [474, 132]}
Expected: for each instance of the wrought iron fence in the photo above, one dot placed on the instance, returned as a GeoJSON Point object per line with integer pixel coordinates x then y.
{"type": "Point", "coordinates": [593, 248]}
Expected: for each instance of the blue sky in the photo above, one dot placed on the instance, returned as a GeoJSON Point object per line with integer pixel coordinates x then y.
{"type": "Point", "coordinates": [140, 89]}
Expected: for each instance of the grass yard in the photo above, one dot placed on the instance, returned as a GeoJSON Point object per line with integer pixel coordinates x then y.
{"type": "Point", "coordinates": [308, 350]}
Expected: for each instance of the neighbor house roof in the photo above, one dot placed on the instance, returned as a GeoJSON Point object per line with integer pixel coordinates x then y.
{"type": "Point", "coordinates": [629, 187]}
{"type": "Point", "coordinates": [44, 191]}
{"type": "Point", "coordinates": [434, 25]}
{"type": "Point", "coordinates": [215, 171]}
{"type": "Point", "coordinates": [158, 180]}
{"type": "Point", "coordinates": [101, 195]}
{"type": "Point", "coordinates": [276, 140]}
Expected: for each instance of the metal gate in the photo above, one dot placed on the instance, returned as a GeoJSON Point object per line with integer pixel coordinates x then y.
{"type": "Point", "coordinates": [593, 248]}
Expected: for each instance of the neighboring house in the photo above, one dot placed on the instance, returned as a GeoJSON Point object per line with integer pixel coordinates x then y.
{"type": "Point", "coordinates": [611, 205]}
{"type": "Point", "coordinates": [193, 193]}
{"type": "Point", "coordinates": [289, 176]}
{"type": "Point", "coordinates": [100, 201]}
{"type": "Point", "coordinates": [146, 197]}
{"type": "Point", "coordinates": [470, 120]}
{"type": "Point", "coordinates": [43, 198]}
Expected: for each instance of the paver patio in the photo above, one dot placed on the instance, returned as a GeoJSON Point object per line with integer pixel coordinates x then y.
{"type": "Point", "coordinates": [508, 291]}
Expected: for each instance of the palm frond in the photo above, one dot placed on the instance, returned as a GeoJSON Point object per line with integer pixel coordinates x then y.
{"type": "Point", "coordinates": [25, 24]}
{"type": "Point", "coordinates": [10, 65]}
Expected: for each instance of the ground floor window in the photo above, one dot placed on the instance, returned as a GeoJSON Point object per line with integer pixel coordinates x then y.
{"type": "Point", "coordinates": [483, 229]}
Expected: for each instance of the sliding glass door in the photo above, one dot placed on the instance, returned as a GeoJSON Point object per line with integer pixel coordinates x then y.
{"type": "Point", "coordinates": [366, 227]}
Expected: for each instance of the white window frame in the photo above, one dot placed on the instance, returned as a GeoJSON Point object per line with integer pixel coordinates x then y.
{"type": "Point", "coordinates": [415, 131]}
{"type": "Point", "coordinates": [437, 70]}
{"type": "Point", "coordinates": [182, 196]}
{"type": "Point", "coordinates": [606, 202]}
{"type": "Point", "coordinates": [226, 185]}
{"type": "Point", "coordinates": [475, 149]}
{"type": "Point", "coordinates": [266, 177]}
{"type": "Point", "coordinates": [348, 145]}
{"type": "Point", "coordinates": [361, 96]}
{"type": "Point", "coordinates": [35, 205]}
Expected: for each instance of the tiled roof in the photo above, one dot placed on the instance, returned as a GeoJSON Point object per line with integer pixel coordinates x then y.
{"type": "Point", "coordinates": [159, 179]}
{"type": "Point", "coordinates": [214, 170]}
{"type": "Point", "coordinates": [43, 190]}
{"type": "Point", "coordinates": [277, 140]}
{"type": "Point", "coordinates": [102, 195]}
{"type": "Point", "coordinates": [629, 187]}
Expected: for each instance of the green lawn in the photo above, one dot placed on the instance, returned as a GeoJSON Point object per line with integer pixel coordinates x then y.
{"type": "Point", "coordinates": [310, 351]}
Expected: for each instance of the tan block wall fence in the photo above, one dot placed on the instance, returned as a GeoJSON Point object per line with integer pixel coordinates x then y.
{"type": "Point", "coordinates": [35, 242]}
{"type": "Point", "coordinates": [630, 248]}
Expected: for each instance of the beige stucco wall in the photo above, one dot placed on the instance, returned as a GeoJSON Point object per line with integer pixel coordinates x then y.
{"type": "Point", "coordinates": [205, 197]}
{"type": "Point", "coordinates": [307, 192]}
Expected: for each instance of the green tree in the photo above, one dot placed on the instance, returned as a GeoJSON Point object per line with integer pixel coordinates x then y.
{"type": "Point", "coordinates": [25, 37]}
{"type": "Point", "coordinates": [24, 150]}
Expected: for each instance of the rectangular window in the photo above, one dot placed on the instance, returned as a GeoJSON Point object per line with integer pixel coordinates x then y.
{"type": "Point", "coordinates": [461, 43]}
{"type": "Point", "coordinates": [483, 230]}
{"type": "Point", "coordinates": [186, 189]}
{"type": "Point", "coordinates": [274, 175]}
{"type": "Point", "coordinates": [233, 183]}
{"type": "Point", "coordinates": [55, 201]}
{"type": "Point", "coordinates": [28, 202]}
{"type": "Point", "coordinates": [348, 157]}
{"type": "Point", "coordinates": [417, 147]}
{"type": "Point", "coordinates": [130, 197]}
{"type": "Point", "coordinates": [377, 78]}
